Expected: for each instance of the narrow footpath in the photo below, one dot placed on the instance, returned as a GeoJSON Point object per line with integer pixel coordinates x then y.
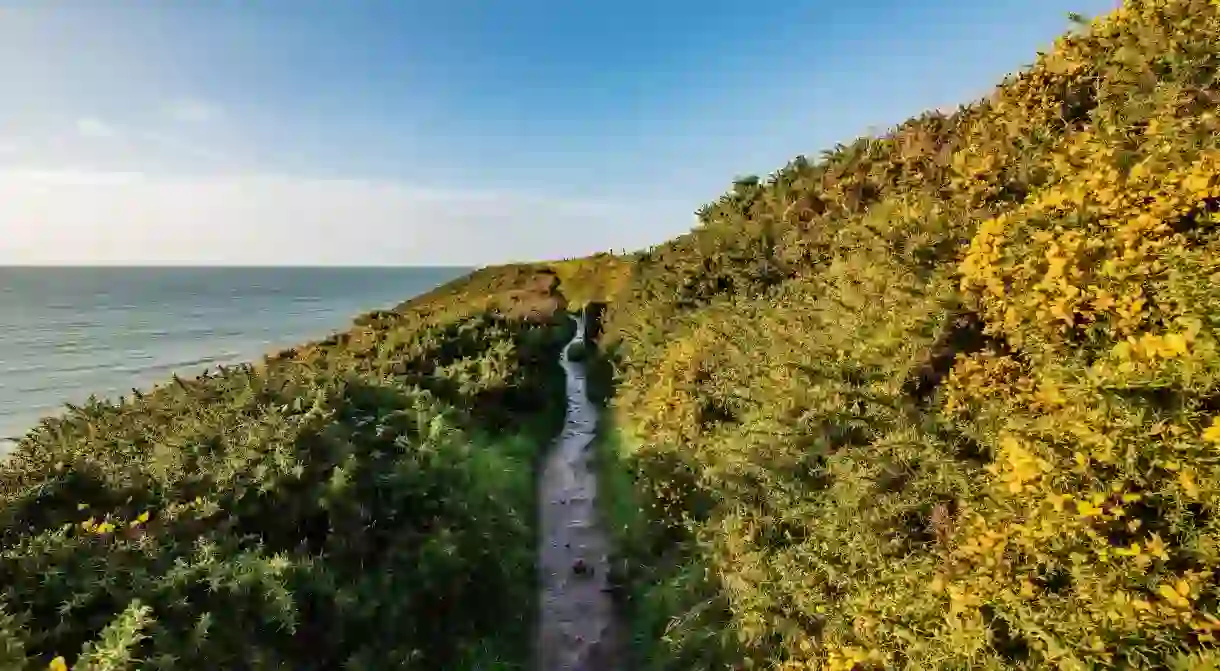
{"type": "Point", "coordinates": [576, 628]}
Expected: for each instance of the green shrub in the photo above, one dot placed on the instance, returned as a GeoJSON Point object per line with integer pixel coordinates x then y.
{"type": "Point", "coordinates": [362, 501]}
{"type": "Point", "coordinates": [578, 351]}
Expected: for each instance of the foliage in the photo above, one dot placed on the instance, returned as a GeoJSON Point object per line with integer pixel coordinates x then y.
{"type": "Point", "coordinates": [596, 278]}
{"type": "Point", "coordinates": [366, 500]}
{"type": "Point", "coordinates": [578, 351]}
{"type": "Point", "coordinates": [948, 397]}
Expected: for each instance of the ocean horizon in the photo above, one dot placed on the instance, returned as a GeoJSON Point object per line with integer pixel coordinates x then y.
{"type": "Point", "coordinates": [70, 332]}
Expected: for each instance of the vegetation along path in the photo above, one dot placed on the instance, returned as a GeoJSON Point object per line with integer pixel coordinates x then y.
{"type": "Point", "coordinates": [577, 615]}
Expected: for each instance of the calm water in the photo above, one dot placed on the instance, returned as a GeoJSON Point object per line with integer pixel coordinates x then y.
{"type": "Point", "coordinates": [66, 333]}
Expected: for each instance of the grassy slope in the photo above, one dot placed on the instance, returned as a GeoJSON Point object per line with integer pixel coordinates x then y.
{"type": "Point", "coordinates": [945, 398]}
{"type": "Point", "coordinates": [364, 501]}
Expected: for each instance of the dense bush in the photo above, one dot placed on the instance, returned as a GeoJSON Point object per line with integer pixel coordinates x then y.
{"type": "Point", "coordinates": [578, 351]}
{"type": "Point", "coordinates": [945, 398]}
{"type": "Point", "coordinates": [593, 279]}
{"type": "Point", "coordinates": [361, 502]}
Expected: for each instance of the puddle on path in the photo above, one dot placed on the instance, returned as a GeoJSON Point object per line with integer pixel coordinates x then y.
{"type": "Point", "coordinates": [576, 629]}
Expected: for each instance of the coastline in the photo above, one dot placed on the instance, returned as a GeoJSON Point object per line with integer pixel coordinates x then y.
{"type": "Point", "coordinates": [80, 331]}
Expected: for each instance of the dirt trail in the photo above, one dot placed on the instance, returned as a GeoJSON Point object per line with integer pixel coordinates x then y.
{"type": "Point", "coordinates": [577, 629]}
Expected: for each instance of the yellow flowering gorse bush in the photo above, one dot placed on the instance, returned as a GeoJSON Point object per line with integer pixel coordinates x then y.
{"type": "Point", "coordinates": [950, 397]}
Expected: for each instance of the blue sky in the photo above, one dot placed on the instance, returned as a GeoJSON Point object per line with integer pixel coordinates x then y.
{"type": "Point", "coordinates": [455, 132]}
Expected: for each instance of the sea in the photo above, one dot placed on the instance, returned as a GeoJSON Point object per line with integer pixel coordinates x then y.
{"type": "Point", "coordinates": [68, 333]}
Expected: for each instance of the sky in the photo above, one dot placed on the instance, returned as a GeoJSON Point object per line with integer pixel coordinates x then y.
{"type": "Point", "coordinates": [363, 132]}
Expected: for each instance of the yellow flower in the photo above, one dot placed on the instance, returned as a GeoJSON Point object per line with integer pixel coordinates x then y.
{"type": "Point", "coordinates": [58, 664]}
{"type": "Point", "coordinates": [1175, 344]}
{"type": "Point", "coordinates": [1156, 547]}
{"type": "Point", "coordinates": [1198, 184]}
{"type": "Point", "coordinates": [1212, 433]}
{"type": "Point", "coordinates": [1174, 597]}
{"type": "Point", "coordinates": [1085, 509]}
{"type": "Point", "coordinates": [1188, 484]}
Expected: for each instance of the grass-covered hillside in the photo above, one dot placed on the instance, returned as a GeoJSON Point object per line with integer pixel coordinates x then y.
{"type": "Point", "coordinates": [946, 398]}
{"type": "Point", "coordinates": [361, 502]}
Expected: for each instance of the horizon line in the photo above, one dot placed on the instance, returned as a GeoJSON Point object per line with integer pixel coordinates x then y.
{"type": "Point", "coordinates": [187, 266]}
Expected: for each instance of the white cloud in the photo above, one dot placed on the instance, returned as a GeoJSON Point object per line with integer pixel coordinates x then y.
{"type": "Point", "coordinates": [86, 217]}
{"type": "Point", "coordinates": [102, 145]}
{"type": "Point", "coordinates": [192, 110]}
{"type": "Point", "coordinates": [43, 177]}
{"type": "Point", "coordinates": [96, 128]}
{"type": "Point", "coordinates": [180, 146]}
